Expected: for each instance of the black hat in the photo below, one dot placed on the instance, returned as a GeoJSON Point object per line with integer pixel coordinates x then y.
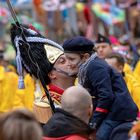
{"type": "Point", "coordinates": [78, 44]}
{"type": "Point", "coordinates": [35, 53]}
{"type": "Point", "coordinates": [102, 39]}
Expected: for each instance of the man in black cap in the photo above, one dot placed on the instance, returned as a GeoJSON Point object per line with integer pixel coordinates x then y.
{"type": "Point", "coordinates": [103, 46]}
{"type": "Point", "coordinates": [113, 104]}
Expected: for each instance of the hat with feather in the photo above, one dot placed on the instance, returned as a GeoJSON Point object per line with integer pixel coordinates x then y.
{"type": "Point", "coordinates": [34, 52]}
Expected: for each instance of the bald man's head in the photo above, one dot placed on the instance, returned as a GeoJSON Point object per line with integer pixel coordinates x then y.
{"type": "Point", "coordinates": [77, 101]}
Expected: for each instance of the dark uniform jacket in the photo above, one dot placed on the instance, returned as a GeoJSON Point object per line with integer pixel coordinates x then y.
{"type": "Point", "coordinates": [63, 126]}
{"type": "Point", "coordinates": [112, 98]}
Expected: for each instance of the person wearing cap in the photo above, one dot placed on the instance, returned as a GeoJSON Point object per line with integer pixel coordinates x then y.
{"type": "Point", "coordinates": [113, 104]}
{"type": "Point", "coordinates": [59, 80]}
{"type": "Point", "coordinates": [59, 76]}
{"type": "Point", "coordinates": [45, 60]}
{"type": "Point", "coordinates": [104, 48]}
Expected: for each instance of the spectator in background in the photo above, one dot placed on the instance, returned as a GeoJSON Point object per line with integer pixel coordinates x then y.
{"type": "Point", "coordinates": [104, 48]}
{"type": "Point", "coordinates": [117, 61]}
{"type": "Point", "coordinates": [7, 86]}
{"type": "Point", "coordinates": [19, 125]}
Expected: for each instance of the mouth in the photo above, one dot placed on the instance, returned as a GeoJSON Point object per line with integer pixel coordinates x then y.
{"type": "Point", "coordinates": [74, 75]}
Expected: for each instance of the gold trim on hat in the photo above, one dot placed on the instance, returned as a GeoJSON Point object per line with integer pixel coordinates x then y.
{"type": "Point", "coordinates": [53, 53]}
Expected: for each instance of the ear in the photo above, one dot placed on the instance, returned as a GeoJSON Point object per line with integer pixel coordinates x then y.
{"type": "Point", "coordinates": [52, 75]}
{"type": "Point", "coordinates": [90, 110]}
{"type": "Point", "coordinates": [86, 56]}
{"type": "Point", "coordinates": [120, 68]}
{"type": "Point", "coordinates": [111, 46]}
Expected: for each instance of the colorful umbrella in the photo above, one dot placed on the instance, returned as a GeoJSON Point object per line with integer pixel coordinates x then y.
{"type": "Point", "coordinates": [110, 14]}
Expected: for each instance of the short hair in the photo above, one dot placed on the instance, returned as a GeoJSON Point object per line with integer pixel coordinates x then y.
{"type": "Point", "coordinates": [19, 125]}
{"type": "Point", "coordinates": [76, 100]}
{"type": "Point", "coordinates": [120, 59]}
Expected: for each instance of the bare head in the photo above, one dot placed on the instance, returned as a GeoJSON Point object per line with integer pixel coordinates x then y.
{"type": "Point", "coordinates": [77, 101]}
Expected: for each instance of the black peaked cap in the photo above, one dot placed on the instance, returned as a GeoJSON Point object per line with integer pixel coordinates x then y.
{"type": "Point", "coordinates": [102, 39]}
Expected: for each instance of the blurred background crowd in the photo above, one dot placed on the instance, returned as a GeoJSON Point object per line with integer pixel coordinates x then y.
{"type": "Point", "coordinates": [58, 20]}
{"type": "Point", "coordinates": [61, 19]}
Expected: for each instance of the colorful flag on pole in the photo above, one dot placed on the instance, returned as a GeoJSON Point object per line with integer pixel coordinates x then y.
{"type": "Point", "coordinates": [110, 14]}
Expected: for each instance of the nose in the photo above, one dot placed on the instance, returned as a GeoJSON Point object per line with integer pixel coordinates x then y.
{"type": "Point", "coordinates": [68, 63]}
{"type": "Point", "coordinates": [100, 49]}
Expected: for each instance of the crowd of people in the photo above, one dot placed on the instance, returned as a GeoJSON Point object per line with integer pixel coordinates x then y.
{"type": "Point", "coordinates": [80, 90]}
{"type": "Point", "coordinates": [85, 88]}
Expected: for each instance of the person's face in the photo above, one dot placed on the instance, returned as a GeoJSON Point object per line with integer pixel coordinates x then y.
{"type": "Point", "coordinates": [74, 61]}
{"type": "Point", "coordinates": [62, 65]}
{"type": "Point", "coordinates": [113, 63]}
{"type": "Point", "coordinates": [103, 49]}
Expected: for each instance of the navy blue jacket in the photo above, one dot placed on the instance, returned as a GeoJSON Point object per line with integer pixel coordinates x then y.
{"type": "Point", "coordinates": [112, 98]}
